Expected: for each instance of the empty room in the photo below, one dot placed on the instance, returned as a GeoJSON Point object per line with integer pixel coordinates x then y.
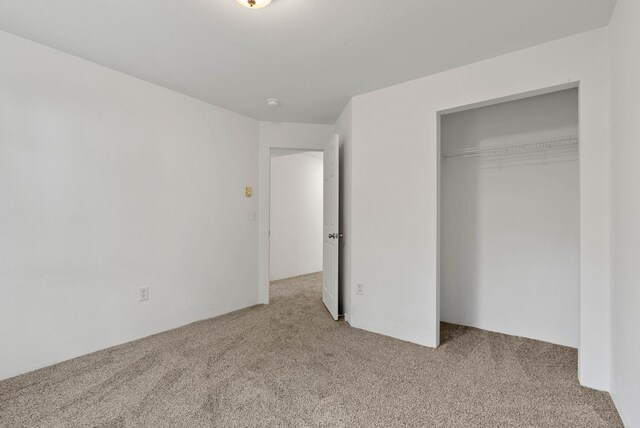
{"type": "Point", "coordinates": [319, 213]}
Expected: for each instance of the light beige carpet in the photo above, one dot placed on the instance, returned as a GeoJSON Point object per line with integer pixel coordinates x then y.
{"type": "Point", "coordinates": [289, 364]}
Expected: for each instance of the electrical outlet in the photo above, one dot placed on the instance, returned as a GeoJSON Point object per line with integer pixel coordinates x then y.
{"type": "Point", "coordinates": [360, 288]}
{"type": "Point", "coordinates": [143, 293]}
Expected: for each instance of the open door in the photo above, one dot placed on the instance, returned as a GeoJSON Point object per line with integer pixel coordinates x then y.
{"type": "Point", "coordinates": [331, 232]}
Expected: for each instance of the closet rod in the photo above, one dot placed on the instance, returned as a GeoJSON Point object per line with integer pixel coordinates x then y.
{"type": "Point", "coordinates": [503, 149]}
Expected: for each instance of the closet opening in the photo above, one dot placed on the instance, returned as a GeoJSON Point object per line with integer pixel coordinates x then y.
{"type": "Point", "coordinates": [509, 256]}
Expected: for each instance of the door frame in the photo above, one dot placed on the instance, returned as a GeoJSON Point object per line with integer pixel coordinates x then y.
{"type": "Point", "coordinates": [264, 217]}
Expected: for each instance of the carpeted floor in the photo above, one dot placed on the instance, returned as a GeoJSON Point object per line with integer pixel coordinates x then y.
{"type": "Point", "coordinates": [289, 364]}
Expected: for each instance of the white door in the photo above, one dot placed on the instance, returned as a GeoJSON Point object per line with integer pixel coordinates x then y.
{"type": "Point", "coordinates": [331, 239]}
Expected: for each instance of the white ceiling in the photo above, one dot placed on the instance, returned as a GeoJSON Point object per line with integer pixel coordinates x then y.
{"type": "Point", "coordinates": [311, 54]}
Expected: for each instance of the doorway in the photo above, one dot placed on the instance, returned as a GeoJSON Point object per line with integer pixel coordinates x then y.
{"type": "Point", "coordinates": [330, 221]}
{"type": "Point", "coordinates": [295, 231]}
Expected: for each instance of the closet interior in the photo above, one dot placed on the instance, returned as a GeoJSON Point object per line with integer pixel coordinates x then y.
{"type": "Point", "coordinates": [510, 218]}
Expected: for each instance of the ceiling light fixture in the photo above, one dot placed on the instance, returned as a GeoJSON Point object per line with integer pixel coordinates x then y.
{"type": "Point", "coordinates": [273, 102]}
{"type": "Point", "coordinates": [254, 4]}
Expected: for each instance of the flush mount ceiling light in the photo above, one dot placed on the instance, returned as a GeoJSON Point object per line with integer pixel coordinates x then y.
{"type": "Point", "coordinates": [254, 4]}
{"type": "Point", "coordinates": [273, 102]}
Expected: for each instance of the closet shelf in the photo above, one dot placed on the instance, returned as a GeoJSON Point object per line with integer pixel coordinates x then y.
{"type": "Point", "coordinates": [506, 149]}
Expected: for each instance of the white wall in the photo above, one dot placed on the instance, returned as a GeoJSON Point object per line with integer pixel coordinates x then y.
{"type": "Point", "coordinates": [395, 199]}
{"type": "Point", "coordinates": [625, 209]}
{"type": "Point", "coordinates": [108, 184]}
{"type": "Point", "coordinates": [283, 136]}
{"type": "Point", "coordinates": [296, 214]}
{"type": "Point", "coordinates": [510, 224]}
{"type": "Point", "coordinates": [343, 129]}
